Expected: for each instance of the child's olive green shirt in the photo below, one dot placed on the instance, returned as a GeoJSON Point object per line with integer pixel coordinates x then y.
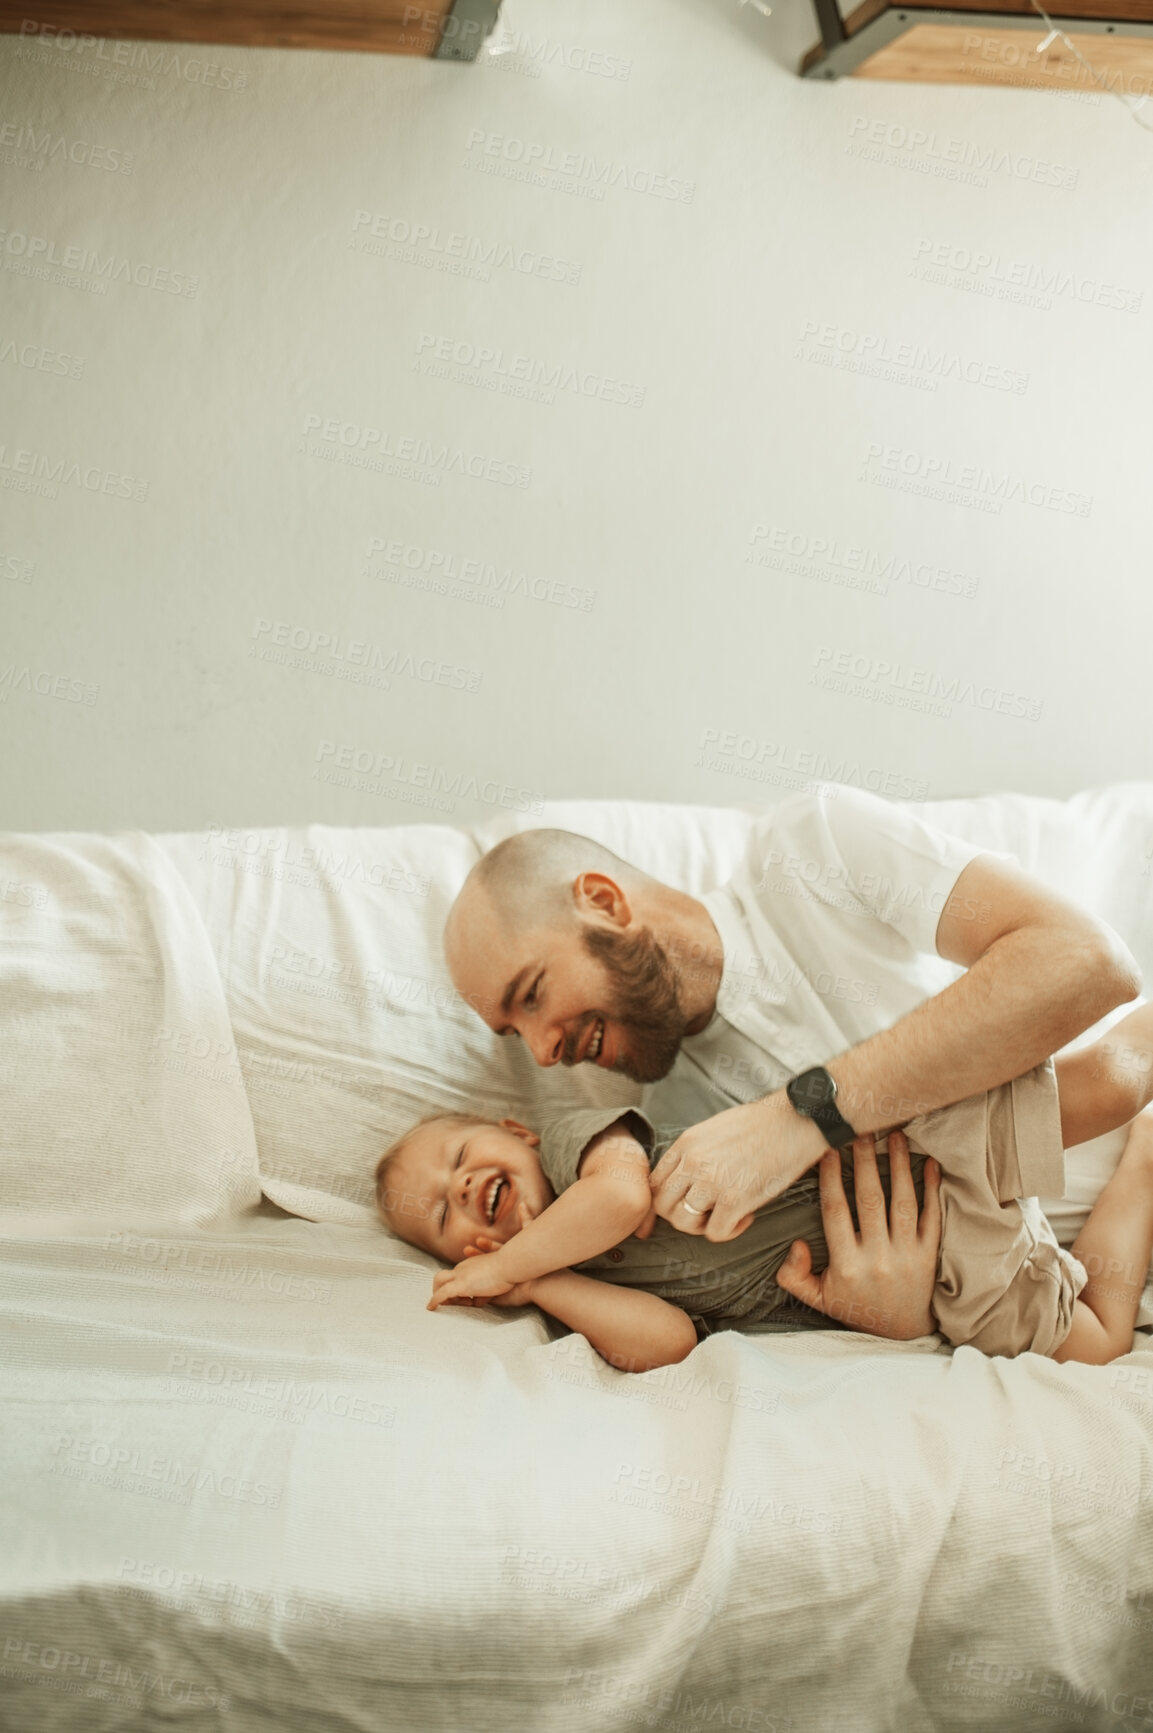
{"type": "Point", "coordinates": [731, 1285]}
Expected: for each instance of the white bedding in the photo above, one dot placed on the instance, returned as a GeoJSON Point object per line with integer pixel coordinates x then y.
{"type": "Point", "coordinates": [250, 1482]}
{"type": "Point", "coordinates": [118, 1070]}
{"type": "Point", "coordinates": [395, 1519]}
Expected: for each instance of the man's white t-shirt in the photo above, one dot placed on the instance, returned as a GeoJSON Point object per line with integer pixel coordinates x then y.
{"type": "Point", "coordinates": [829, 932]}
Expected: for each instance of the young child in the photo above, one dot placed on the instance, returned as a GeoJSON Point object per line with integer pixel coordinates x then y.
{"type": "Point", "coordinates": [554, 1218]}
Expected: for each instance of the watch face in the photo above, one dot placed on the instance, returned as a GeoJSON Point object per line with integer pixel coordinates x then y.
{"type": "Point", "coordinates": [814, 1088]}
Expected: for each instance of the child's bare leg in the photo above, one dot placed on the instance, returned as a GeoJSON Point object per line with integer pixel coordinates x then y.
{"type": "Point", "coordinates": [1115, 1246]}
{"type": "Point", "coordinates": [1104, 1085]}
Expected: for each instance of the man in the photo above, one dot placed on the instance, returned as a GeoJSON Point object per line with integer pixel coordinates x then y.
{"type": "Point", "coordinates": [813, 1000]}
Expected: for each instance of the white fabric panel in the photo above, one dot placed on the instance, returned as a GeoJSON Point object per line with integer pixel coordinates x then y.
{"type": "Point", "coordinates": [695, 848]}
{"type": "Point", "coordinates": [346, 1020]}
{"type": "Point", "coordinates": [249, 1467]}
{"type": "Point", "coordinates": [119, 1077]}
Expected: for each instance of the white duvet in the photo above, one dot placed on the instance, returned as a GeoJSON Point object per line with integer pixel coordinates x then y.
{"type": "Point", "coordinates": [249, 1481]}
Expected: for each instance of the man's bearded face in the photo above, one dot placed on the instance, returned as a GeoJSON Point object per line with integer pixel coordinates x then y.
{"type": "Point", "coordinates": [646, 1000]}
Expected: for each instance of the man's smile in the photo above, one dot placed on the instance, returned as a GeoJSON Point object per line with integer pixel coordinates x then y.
{"type": "Point", "coordinates": [592, 1047]}
{"type": "Point", "coordinates": [593, 1044]}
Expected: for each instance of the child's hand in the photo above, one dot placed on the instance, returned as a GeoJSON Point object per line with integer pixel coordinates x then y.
{"type": "Point", "coordinates": [447, 1290]}
{"type": "Point", "coordinates": [477, 1279]}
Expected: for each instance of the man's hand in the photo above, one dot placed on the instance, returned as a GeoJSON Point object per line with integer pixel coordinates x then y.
{"type": "Point", "coordinates": [718, 1173]}
{"type": "Point", "coordinates": [881, 1280]}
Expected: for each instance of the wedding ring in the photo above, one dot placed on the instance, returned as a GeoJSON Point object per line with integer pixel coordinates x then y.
{"type": "Point", "coordinates": [691, 1210]}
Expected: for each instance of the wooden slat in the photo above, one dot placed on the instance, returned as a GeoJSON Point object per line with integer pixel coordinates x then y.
{"type": "Point", "coordinates": [960, 54]}
{"type": "Point", "coordinates": [1121, 11]}
{"type": "Point", "coordinates": [365, 26]}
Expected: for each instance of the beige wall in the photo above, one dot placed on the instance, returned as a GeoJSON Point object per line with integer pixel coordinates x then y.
{"type": "Point", "coordinates": [741, 291]}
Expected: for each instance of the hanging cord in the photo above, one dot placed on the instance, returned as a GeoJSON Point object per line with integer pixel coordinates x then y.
{"type": "Point", "coordinates": [1097, 78]}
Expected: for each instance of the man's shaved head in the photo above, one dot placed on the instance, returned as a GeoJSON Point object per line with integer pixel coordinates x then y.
{"type": "Point", "coordinates": [553, 938]}
{"type": "Point", "coordinates": [529, 877]}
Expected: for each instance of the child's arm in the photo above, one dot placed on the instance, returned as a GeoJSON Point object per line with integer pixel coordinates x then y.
{"type": "Point", "coordinates": [609, 1201]}
{"type": "Point", "coordinates": [634, 1331]}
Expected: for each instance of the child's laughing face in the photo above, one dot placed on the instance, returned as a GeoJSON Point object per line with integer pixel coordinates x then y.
{"type": "Point", "coordinates": [453, 1182]}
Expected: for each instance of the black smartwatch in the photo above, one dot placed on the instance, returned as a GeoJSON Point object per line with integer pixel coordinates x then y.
{"type": "Point", "coordinates": [814, 1095]}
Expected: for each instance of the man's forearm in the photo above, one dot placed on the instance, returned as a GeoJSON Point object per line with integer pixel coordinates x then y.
{"type": "Point", "coordinates": [1038, 971]}
{"type": "Point", "coordinates": [1024, 999]}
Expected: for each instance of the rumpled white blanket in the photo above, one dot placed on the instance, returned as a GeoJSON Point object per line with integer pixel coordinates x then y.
{"type": "Point", "coordinates": [250, 1470]}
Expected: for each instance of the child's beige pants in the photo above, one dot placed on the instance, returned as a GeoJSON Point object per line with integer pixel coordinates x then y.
{"type": "Point", "coordinates": [1004, 1284]}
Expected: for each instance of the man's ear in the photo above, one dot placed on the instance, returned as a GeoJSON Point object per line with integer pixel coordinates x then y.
{"type": "Point", "coordinates": [596, 894]}
{"type": "Point", "coordinates": [532, 1138]}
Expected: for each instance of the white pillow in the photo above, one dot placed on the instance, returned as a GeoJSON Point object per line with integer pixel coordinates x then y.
{"type": "Point", "coordinates": [346, 1019]}
{"type": "Point", "coordinates": [695, 848]}
{"type": "Point", "coordinates": [122, 1094]}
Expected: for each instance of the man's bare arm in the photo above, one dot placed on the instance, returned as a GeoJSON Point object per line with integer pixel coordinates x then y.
{"type": "Point", "coordinates": [1039, 970]}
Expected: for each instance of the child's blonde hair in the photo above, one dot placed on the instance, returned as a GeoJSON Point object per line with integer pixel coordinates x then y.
{"type": "Point", "coordinates": [392, 1217]}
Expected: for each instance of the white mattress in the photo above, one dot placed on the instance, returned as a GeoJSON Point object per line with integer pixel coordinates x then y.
{"type": "Point", "coordinates": [250, 1482]}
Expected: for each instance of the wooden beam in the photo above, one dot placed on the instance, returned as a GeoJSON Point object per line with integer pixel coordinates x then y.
{"type": "Point", "coordinates": [363, 26]}
{"type": "Point", "coordinates": [1119, 11]}
{"type": "Point", "coordinates": [958, 54]}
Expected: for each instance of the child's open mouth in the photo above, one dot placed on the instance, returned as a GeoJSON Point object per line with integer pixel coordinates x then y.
{"type": "Point", "coordinates": [497, 1194]}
